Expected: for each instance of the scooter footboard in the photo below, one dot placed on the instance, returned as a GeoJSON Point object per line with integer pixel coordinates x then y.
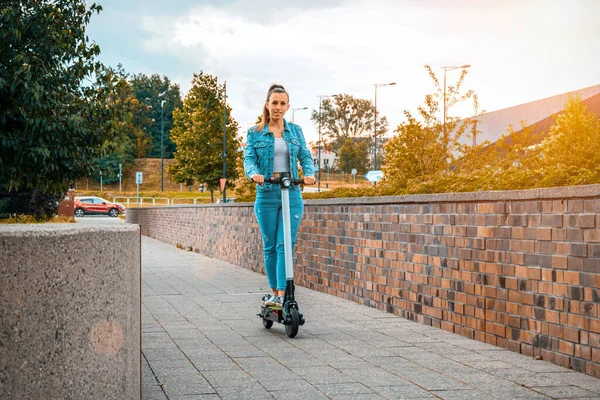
{"type": "Point", "coordinates": [275, 315]}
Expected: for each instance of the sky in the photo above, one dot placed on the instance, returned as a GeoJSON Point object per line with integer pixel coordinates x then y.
{"type": "Point", "coordinates": [519, 50]}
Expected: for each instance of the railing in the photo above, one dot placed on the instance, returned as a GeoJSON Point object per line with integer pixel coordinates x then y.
{"type": "Point", "coordinates": [143, 201]}
{"type": "Point", "coordinates": [186, 201]}
{"type": "Point", "coordinates": [134, 201]}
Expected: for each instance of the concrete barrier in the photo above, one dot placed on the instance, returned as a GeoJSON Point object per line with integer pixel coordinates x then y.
{"type": "Point", "coordinates": [70, 312]}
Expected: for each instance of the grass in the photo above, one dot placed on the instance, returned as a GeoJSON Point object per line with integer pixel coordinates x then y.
{"type": "Point", "coordinates": [29, 219]}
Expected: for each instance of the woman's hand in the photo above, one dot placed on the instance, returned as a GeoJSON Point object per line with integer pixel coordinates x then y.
{"type": "Point", "coordinates": [309, 180]}
{"type": "Point", "coordinates": [259, 179]}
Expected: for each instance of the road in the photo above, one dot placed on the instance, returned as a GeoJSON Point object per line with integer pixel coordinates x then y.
{"type": "Point", "coordinates": [99, 220]}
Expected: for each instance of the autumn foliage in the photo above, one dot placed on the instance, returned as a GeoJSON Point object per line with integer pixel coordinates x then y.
{"type": "Point", "coordinates": [569, 154]}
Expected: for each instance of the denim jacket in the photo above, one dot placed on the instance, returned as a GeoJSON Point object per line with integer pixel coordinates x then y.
{"type": "Point", "coordinates": [260, 151]}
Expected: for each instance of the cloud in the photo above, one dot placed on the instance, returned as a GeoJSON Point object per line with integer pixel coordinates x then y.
{"type": "Point", "coordinates": [519, 51]}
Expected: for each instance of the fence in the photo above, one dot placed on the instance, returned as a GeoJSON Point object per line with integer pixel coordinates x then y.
{"type": "Point", "coordinates": [134, 201]}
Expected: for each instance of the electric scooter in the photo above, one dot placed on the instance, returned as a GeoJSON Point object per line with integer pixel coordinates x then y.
{"type": "Point", "coordinates": [289, 314]}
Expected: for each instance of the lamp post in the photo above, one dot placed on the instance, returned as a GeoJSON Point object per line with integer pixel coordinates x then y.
{"type": "Point", "coordinates": [321, 97]}
{"type": "Point", "coordinates": [377, 85]}
{"type": "Point", "coordinates": [162, 161]}
{"type": "Point", "coordinates": [449, 68]}
{"type": "Point", "coordinates": [224, 142]}
{"type": "Point", "coordinates": [297, 109]}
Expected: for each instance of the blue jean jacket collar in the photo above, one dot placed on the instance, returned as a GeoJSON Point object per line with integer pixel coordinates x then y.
{"type": "Point", "coordinates": [286, 127]}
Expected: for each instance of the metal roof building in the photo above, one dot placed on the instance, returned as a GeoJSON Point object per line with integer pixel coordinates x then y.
{"type": "Point", "coordinates": [492, 125]}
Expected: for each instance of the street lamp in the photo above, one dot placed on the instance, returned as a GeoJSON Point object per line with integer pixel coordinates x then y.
{"type": "Point", "coordinates": [162, 161]}
{"type": "Point", "coordinates": [297, 109]}
{"type": "Point", "coordinates": [224, 142]}
{"type": "Point", "coordinates": [321, 97]}
{"type": "Point", "coordinates": [449, 68]}
{"type": "Point", "coordinates": [377, 85]}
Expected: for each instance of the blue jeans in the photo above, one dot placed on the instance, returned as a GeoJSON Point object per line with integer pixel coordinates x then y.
{"type": "Point", "coordinates": [269, 213]}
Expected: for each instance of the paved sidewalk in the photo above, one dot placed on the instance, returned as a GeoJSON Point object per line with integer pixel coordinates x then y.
{"type": "Point", "coordinates": [201, 339]}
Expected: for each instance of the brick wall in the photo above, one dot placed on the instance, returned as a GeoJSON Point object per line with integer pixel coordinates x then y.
{"type": "Point", "coordinates": [516, 269]}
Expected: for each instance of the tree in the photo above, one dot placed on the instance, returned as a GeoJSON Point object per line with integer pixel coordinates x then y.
{"type": "Point", "coordinates": [570, 155]}
{"type": "Point", "coordinates": [53, 94]}
{"type": "Point", "coordinates": [127, 120]}
{"type": "Point", "coordinates": [423, 149]}
{"type": "Point", "coordinates": [153, 90]}
{"type": "Point", "coordinates": [346, 117]}
{"type": "Point", "coordinates": [414, 152]}
{"type": "Point", "coordinates": [354, 154]}
{"type": "Point", "coordinates": [245, 189]}
{"type": "Point", "coordinates": [452, 129]}
{"type": "Point", "coordinates": [198, 134]}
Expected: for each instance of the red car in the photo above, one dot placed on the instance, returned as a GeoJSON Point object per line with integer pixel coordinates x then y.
{"type": "Point", "coordinates": [97, 205]}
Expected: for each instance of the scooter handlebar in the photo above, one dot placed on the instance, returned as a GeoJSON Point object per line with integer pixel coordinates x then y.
{"type": "Point", "coordinates": [284, 181]}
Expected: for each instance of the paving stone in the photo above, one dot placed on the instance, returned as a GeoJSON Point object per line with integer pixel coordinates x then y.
{"type": "Point", "coordinates": [508, 390]}
{"type": "Point", "coordinates": [176, 385]}
{"type": "Point", "coordinates": [297, 385]}
{"type": "Point", "coordinates": [213, 363]}
{"type": "Point", "coordinates": [322, 375]}
{"type": "Point", "coordinates": [202, 339]}
{"type": "Point", "coordinates": [463, 395]}
{"type": "Point", "coordinates": [246, 350]}
{"type": "Point", "coordinates": [300, 360]}
{"type": "Point", "coordinates": [344, 388]}
{"type": "Point", "coordinates": [489, 365]}
{"type": "Point", "coordinates": [402, 392]}
{"type": "Point", "coordinates": [264, 374]}
{"type": "Point", "coordinates": [563, 392]}
{"type": "Point", "coordinates": [375, 376]}
{"type": "Point", "coordinates": [525, 378]}
{"type": "Point", "coordinates": [168, 364]}
{"type": "Point", "coordinates": [306, 394]}
{"type": "Point", "coordinates": [246, 392]}
{"type": "Point", "coordinates": [188, 333]}
{"type": "Point", "coordinates": [355, 363]}
{"type": "Point", "coordinates": [163, 354]}
{"type": "Point", "coordinates": [432, 380]}
{"type": "Point", "coordinates": [577, 379]}
{"type": "Point", "coordinates": [225, 378]}
{"type": "Point", "coordinates": [358, 396]}
{"type": "Point", "coordinates": [156, 394]}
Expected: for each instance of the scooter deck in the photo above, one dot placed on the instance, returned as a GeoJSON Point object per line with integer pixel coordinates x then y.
{"type": "Point", "coordinates": [270, 307]}
{"type": "Point", "coordinates": [274, 314]}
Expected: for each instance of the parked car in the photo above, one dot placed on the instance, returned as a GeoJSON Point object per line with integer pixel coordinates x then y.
{"type": "Point", "coordinates": [97, 205]}
{"type": "Point", "coordinates": [228, 200]}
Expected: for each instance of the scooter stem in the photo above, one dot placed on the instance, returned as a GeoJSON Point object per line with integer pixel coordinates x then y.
{"type": "Point", "coordinates": [287, 233]}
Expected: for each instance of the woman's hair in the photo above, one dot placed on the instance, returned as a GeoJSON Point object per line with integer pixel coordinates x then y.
{"type": "Point", "coordinates": [265, 112]}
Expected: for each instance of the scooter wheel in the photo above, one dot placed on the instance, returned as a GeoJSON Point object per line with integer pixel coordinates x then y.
{"type": "Point", "coordinates": [292, 328]}
{"type": "Point", "coordinates": [267, 323]}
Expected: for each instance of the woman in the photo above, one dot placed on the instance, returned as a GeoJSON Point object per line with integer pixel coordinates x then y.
{"type": "Point", "coordinates": [273, 147]}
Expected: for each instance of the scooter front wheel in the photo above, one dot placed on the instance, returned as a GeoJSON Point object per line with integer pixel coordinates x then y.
{"type": "Point", "coordinates": [292, 328]}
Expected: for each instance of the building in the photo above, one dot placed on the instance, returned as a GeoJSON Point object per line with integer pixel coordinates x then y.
{"type": "Point", "coordinates": [328, 159]}
{"type": "Point", "coordinates": [540, 113]}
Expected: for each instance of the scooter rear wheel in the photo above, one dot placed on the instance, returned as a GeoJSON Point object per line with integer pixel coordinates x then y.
{"type": "Point", "coordinates": [267, 323]}
{"type": "Point", "coordinates": [292, 329]}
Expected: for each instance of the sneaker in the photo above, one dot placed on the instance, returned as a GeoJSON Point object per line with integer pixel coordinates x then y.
{"type": "Point", "coordinates": [274, 301]}
{"type": "Point", "coordinates": [268, 297]}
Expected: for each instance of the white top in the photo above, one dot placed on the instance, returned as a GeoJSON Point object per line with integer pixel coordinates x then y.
{"type": "Point", "coordinates": [281, 162]}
